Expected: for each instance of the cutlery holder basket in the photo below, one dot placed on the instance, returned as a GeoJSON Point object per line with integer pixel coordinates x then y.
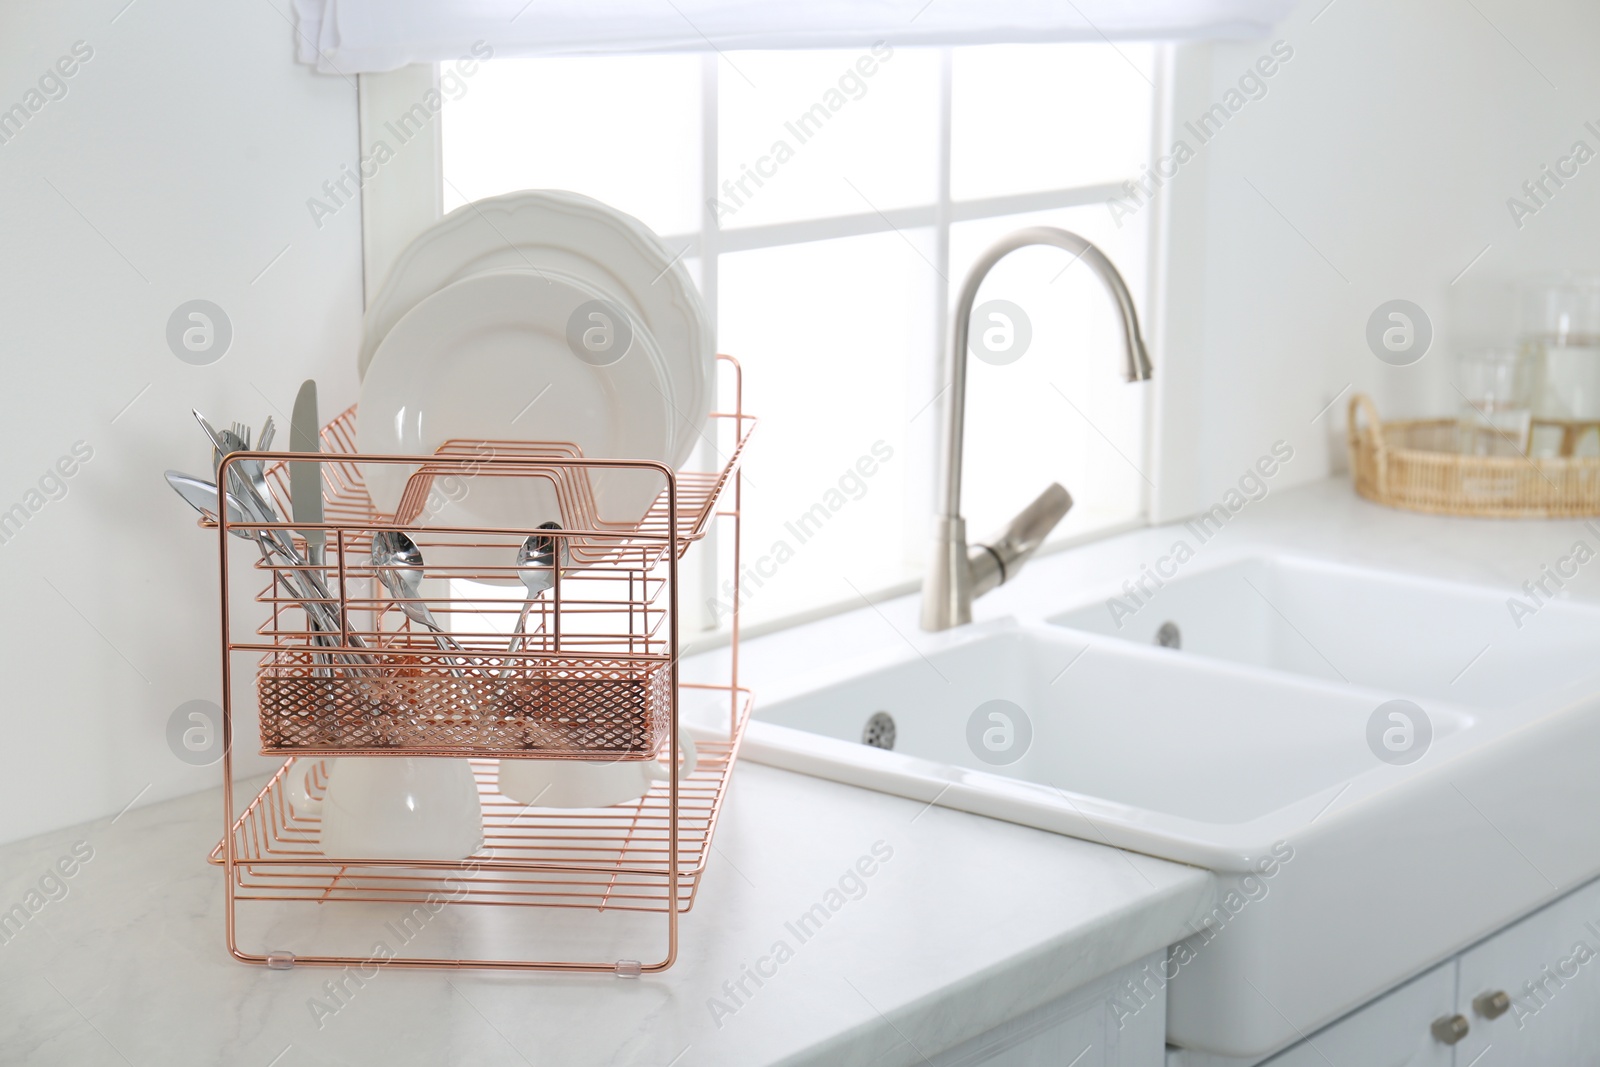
{"type": "Point", "coordinates": [581, 709]}
{"type": "Point", "coordinates": [581, 671]}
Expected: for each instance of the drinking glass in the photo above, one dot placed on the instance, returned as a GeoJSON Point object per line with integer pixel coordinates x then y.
{"type": "Point", "coordinates": [1559, 329]}
{"type": "Point", "coordinates": [1495, 416]}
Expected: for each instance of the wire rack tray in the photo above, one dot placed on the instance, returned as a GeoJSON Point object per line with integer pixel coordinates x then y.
{"type": "Point", "coordinates": [612, 858]}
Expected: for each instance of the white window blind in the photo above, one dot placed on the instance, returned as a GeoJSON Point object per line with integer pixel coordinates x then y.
{"type": "Point", "coordinates": [367, 36]}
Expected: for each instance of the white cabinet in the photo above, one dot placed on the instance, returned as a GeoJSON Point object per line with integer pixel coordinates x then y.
{"type": "Point", "coordinates": [1527, 996]}
{"type": "Point", "coordinates": [1091, 1027]}
{"type": "Point", "coordinates": [1392, 1031]}
{"type": "Point", "coordinates": [1548, 968]}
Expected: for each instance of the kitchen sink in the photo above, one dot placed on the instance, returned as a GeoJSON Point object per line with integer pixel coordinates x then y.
{"type": "Point", "coordinates": [1057, 723]}
{"type": "Point", "coordinates": [1413, 636]}
{"type": "Point", "coordinates": [1236, 718]}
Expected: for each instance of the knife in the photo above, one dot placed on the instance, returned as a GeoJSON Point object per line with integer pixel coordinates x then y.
{"type": "Point", "coordinates": [305, 477]}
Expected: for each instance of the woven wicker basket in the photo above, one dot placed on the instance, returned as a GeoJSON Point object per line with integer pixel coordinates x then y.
{"type": "Point", "coordinates": [1413, 465]}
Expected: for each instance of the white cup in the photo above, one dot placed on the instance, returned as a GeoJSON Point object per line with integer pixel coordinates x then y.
{"type": "Point", "coordinates": [297, 788]}
{"type": "Point", "coordinates": [404, 808]}
{"type": "Point", "coordinates": [548, 783]}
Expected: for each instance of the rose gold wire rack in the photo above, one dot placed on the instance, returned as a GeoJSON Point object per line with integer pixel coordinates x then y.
{"type": "Point", "coordinates": [593, 859]}
{"type": "Point", "coordinates": [586, 670]}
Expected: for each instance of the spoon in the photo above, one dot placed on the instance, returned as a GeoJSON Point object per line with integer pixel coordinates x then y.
{"type": "Point", "coordinates": [536, 566]}
{"type": "Point", "coordinates": [202, 496]}
{"type": "Point", "coordinates": [398, 561]}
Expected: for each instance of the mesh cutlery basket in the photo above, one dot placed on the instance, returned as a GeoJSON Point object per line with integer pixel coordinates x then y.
{"type": "Point", "coordinates": [589, 677]}
{"type": "Point", "coordinates": [583, 709]}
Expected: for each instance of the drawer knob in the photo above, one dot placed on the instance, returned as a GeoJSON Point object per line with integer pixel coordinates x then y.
{"type": "Point", "coordinates": [1450, 1028]}
{"type": "Point", "coordinates": [1491, 1005]}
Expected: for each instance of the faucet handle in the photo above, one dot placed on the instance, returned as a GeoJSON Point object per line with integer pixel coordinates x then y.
{"type": "Point", "coordinates": [999, 559]}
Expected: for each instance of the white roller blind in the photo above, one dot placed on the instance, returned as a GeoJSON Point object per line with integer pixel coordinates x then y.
{"type": "Point", "coordinates": [367, 36]}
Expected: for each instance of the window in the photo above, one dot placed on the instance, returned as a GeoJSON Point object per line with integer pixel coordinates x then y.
{"type": "Point", "coordinates": [828, 203]}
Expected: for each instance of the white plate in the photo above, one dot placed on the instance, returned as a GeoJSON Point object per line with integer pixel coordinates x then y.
{"type": "Point", "coordinates": [615, 252]}
{"type": "Point", "coordinates": [487, 358]}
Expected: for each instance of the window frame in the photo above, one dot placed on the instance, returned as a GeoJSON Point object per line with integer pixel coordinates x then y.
{"type": "Point", "coordinates": [407, 196]}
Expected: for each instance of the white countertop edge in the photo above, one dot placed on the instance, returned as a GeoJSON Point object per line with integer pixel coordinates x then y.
{"type": "Point", "coordinates": [1007, 990]}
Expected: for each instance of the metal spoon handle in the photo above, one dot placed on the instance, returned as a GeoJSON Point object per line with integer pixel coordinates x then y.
{"type": "Point", "coordinates": [522, 626]}
{"type": "Point", "coordinates": [419, 613]}
{"type": "Point", "coordinates": [517, 635]}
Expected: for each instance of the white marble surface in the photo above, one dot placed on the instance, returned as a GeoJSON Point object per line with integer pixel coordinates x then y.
{"type": "Point", "coordinates": [969, 923]}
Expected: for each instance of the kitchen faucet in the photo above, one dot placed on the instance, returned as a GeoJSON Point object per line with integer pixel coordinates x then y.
{"type": "Point", "coordinates": [957, 574]}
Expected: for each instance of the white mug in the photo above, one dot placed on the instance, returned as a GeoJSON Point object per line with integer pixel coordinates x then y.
{"type": "Point", "coordinates": [548, 783]}
{"type": "Point", "coordinates": [297, 788]}
{"type": "Point", "coordinates": [395, 807]}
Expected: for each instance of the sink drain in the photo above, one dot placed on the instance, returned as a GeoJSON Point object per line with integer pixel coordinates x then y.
{"type": "Point", "coordinates": [1169, 636]}
{"type": "Point", "coordinates": [879, 731]}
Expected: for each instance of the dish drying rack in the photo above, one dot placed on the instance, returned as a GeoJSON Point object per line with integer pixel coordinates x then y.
{"type": "Point", "coordinates": [595, 677]}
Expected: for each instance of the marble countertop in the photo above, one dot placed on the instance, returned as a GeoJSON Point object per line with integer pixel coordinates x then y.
{"type": "Point", "coordinates": [964, 923]}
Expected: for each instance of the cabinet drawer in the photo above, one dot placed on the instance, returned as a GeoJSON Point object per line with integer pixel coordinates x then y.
{"type": "Point", "coordinates": [1392, 1031]}
{"type": "Point", "coordinates": [1548, 965]}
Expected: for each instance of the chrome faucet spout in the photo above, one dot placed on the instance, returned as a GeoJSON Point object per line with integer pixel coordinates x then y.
{"type": "Point", "coordinates": [957, 574]}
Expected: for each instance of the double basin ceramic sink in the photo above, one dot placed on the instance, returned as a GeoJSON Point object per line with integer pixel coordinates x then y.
{"type": "Point", "coordinates": [1380, 768]}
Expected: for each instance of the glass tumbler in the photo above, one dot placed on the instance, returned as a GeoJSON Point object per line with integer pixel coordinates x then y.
{"type": "Point", "coordinates": [1495, 415]}
{"type": "Point", "coordinates": [1559, 329]}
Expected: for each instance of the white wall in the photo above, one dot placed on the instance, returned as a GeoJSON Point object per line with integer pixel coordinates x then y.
{"type": "Point", "coordinates": [176, 167]}
{"type": "Point", "coordinates": [1391, 141]}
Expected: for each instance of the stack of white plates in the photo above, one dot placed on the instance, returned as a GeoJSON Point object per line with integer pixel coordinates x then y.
{"type": "Point", "coordinates": [535, 317]}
